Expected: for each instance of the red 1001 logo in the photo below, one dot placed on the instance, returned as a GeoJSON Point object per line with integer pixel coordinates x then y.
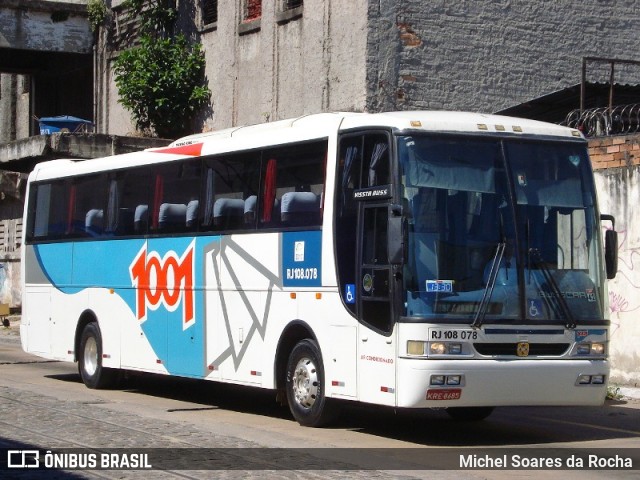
{"type": "Point", "coordinates": [166, 281]}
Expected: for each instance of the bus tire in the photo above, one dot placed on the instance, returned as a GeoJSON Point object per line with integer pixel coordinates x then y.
{"type": "Point", "coordinates": [305, 386]}
{"type": "Point", "coordinates": [469, 414]}
{"type": "Point", "coordinates": [90, 368]}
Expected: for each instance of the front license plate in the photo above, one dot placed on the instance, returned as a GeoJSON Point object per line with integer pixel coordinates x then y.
{"type": "Point", "coordinates": [447, 334]}
{"type": "Point", "coordinates": [444, 394]}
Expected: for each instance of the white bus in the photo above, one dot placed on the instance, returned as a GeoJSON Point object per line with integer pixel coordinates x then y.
{"type": "Point", "coordinates": [408, 259]}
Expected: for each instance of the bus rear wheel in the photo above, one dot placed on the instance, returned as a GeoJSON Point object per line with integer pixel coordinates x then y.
{"type": "Point", "coordinates": [469, 414]}
{"type": "Point", "coordinates": [93, 374]}
{"type": "Point", "coordinates": [305, 386]}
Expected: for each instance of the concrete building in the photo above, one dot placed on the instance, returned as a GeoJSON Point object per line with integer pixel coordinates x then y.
{"type": "Point", "coordinates": [269, 61]}
{"type": "Point", "coordinates": [273, 59]}
{"type": "Point", "coordinates": [46, 63]}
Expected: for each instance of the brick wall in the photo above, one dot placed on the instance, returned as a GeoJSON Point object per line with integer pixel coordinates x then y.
{"type": "Point", "coordinates": [612, 152]}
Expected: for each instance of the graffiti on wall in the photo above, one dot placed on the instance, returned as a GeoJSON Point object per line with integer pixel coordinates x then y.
{"type": "Point", "coordinates": [622, 299]}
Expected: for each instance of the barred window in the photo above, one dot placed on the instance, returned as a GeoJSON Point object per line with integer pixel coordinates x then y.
{"type": "Point", "coordinates": [209, 11]}
{"type": "Point", "coordinates": [291, 4]}
{"type": "Point", "coordinates": [289, 10]}
{"type": "Point", "coordinates": [126, 28]}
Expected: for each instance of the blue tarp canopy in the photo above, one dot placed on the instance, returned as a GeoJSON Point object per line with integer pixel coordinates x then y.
{"type": "Point", "coordinates": [63, 123]}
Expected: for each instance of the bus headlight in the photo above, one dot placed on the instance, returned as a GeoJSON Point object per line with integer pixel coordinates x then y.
{"type": "Point", "coordinates": [590, 349]}
{"type": "Point", "coordinates": [444, 348]}
{"type": "Point", "coordinates": [419, 348]}
{"type": "Point", "coordinates": [583, 349]}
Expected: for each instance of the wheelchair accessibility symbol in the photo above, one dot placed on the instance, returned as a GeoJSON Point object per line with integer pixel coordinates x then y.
{"type": "Point", "coordinates": [349, 293]}
{"type": "Point", "coordinates": [535, 307]}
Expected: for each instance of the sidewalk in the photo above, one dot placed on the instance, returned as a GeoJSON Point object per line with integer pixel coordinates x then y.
{"type": "Point", "coordinates": [630, 392]}
{"type": "Point", "coordinates": [11, 334]}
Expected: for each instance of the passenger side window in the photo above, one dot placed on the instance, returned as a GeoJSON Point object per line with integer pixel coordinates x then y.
{"type": "Point", "coordinates": [293, 186]}
{"type": "Point", "coordinates": [376, 160]}
{"type": "Point", "coordinates": [129, 195]}
{"type": "Point", "coordinates": [87, 202]}
{"type": "Point", "coordinates": [175, 200]}
{"type": "Point", "coordinates": [230, 192]}
{"type": "Point", "coordinates": [49, 211]}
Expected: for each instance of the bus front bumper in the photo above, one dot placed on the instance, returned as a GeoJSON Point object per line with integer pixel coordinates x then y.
{"type": "Point", "coordinates": [465, 383]}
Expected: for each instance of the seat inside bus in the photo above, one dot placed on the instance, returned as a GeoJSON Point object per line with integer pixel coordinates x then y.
{"type": "Point", "coordinates": [94, 221]}
{"type": "Point", "coordinates": [172, 217]}
{"type": "Point", "coordinates": [228, 213]}
{"type": "Point", "coordinates": [300, 208]}
{"type": "Point", "coordinates": [141, 219]}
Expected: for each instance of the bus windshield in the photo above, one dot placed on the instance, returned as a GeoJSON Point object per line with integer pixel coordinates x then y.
{"type": "Point", "coordinates": [504, 229]}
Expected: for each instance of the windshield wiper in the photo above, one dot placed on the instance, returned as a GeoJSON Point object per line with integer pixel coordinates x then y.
{"type": "Point", "coordinates": [488, 291]}
{"type": "Point", "coordinates": [570, 321]}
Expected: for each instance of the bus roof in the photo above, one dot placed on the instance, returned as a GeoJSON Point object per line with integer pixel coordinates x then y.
{"type": "Point", "coordinates": [444, 121]}
{"type": "Point", "coordinates": [307, 127]}
{"type": "Point", "coordinates": [415, 120]}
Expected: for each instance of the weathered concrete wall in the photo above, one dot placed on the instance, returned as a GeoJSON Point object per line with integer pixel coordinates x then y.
{"type": "Point", "coordinates": [273, 68]}
{"type": "Point", "coordinates": [23, 106]}
{"type": "Point", "coordinates": [50, 42]}
{"type": "Point", "coordinates": [276, 70]}
{"type": "Point", "coordinates": [22, 155]}
{"type": "Point", "coordinates": [8, 96]}
{"type": "Point", "coordinates": [375, 55]}
{"type": "Point", "coordinates": [616, 162]}
{"type": "Point", "coordinates": [14, 106]}
{"type": "Point", "coordinates": [53, 26]}
{"type": "Point", "coordinates": [488, 55]}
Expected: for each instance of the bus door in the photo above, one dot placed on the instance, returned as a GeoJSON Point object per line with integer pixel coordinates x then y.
{"type": "Point", "coordinates": [363, 200]}
{"type": "Point", "coordinates": [377, 345]}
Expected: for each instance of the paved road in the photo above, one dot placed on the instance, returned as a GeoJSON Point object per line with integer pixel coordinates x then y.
{"type": "Point", "coordinates": [45, 406]}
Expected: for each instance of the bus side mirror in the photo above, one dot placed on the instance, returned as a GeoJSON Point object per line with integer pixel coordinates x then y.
{"type": "Point", "coordinates": [610, 248]}
{"type": "Point", "coordinates": [396, 236]}
{"type": "Point", "coordinates": [611, 253]}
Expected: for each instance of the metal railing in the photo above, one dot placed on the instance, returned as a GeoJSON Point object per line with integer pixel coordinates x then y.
{"type": "Point", "coordinates": [605, 121]}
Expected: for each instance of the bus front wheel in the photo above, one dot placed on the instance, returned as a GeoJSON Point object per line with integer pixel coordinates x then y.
{"type": "Point", "coordinates": [93, 374]}
{"type": "Point", "coordinates": [305, 386]}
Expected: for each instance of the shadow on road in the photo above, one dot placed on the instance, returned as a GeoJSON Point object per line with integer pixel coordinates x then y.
{"type": "Point", "coordinates": [507, 425]}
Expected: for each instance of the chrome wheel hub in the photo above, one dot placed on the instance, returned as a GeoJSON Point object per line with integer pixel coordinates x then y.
{"type": "Point", "coordinates": [90, 356]}
{"type": "Point", "coordinates": [305, 383]}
